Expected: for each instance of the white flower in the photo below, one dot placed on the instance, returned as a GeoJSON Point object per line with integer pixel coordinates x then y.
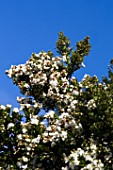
{"type": "Point", "coordinates": [79, 127]}
{"type": "Point", "coordinates": [88, 167]}
{"type": "Point", "coordinates": [93, 147]}
{"type": "Point", "coordinates": [91, 104]}
{"type": "Point", "coordinates": [73, 160]}
{"type": "Point", "coordinates": [58, 128]}
{"type": "Point", "coordinates": [36, 140]}
{"type": "Point", "coordinates": [24, 130]}
{"type": "Point", "coordinates": [37, 55]}
{"type": "Point", "coordinates": [53, 82]}
{"type": "Point", "coordinates": [74, 102]}
{"type": "Point", "coordinates": [66, 159]}
{"type": "Point", "coordinates": [34, 121]}
{"type": "Point", "coordinates": [45, 133]}
{"type": "Point", "coordinates": [8, 105]}
{"type": "Point", "coordinates": [19, 164]}
{"type": "Point", "coordinates": [42, 123]}
{"type": "Point", "coordinates": [26, 85]}
{"type": "Point", "coordinates": [64, 115]}
{"type": "Point", "coordinates": [80, 151]}
{"type": "Point", "coordinates": [50, 114]}
{"type": "Point", "coordinates": [88, 158]}
{"type": "Point", "coordinates": [63, 135]}
{"type": "Point", "coordinates": [28, 148]}
{"type": "Point", "coordinates": [10, 125]}
{"type": "Point", "coordinates": [53, 144]}
{"type": "Point", "coordinates": [66, 125]}
{"type": "Point", "coordinates": [65, 168]}
{"type": "Point", "coordinates": [28, 140]}
{"type": "Point", "coordinates": [9, 73]}
{"type": "Point", "coordinates": [69, 110]}
{"type": "Point", "coordinates": [46, 67]}
{"type": "Point", "coordinates": [48, 128]}
{"type": "Point", "coordinates": [19, 136]}
{"type": "Point", "coordinates": [85, 76]}
{"type": "Point", "coordinates": [24, 166]}
{"type": "Point", "coordinates": [25, 159]}
{"type": "Point", "coordinates": [16, 110]}
{"type": "Point", "coordinates": [2, 107]}
{"type": "Point", "coordinates": [75, 92]}
{"type": "Point", "coordinates": [64, 58]}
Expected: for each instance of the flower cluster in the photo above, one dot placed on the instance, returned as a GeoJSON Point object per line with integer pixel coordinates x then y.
{"type": "Point", "coordinates": [89, 155]}
{"type": "Point", "coordinates": [75, 130]}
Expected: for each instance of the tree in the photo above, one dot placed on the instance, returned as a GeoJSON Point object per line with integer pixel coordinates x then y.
{"type": "Point", "coordinates": [76, 131]}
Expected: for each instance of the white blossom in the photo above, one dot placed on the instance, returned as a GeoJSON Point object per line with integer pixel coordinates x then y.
{"type": "Point", "coordinates": [75, 92]}
{"type": "Point", "coordinates": [24, 130]}
{"type": "Point", "coordinates": [25, 159]}
{"type": "Point", "coordinates": [19, 136]}
{"type": "Point", "coordinates": [64, 58]}
{"type": "Point", "coordinates": [8, 105]}
{"type": "Point", "coordinates": [26, 85]}
{"type": "Point", "coordinates": [52, 85]}
{"type": "Point", "coordinates": [85, 76]}
{"type": "Point", "coordinates": [2, 107]}
{"type": "Point", "coordinates": [16, 110]}
{"type": "Point", "coordinates": [63, 135]}
{"type": "Point", "coordinates": [10, 125]}
{"type": "Point", "coordinates": [50, 114]}
{"type": "Point", "coordinates": [34, 121]}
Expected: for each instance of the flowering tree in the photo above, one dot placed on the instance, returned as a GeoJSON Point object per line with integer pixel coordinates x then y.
{"type": "Point", "coordinates": [76, 131]}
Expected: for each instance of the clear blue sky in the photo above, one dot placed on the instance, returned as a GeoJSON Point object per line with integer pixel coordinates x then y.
{"type": "Point", "coordinates": [28, 26]}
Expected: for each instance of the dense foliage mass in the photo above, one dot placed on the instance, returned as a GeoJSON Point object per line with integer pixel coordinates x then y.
{"type": "Point", "coordinates": [76, 131]}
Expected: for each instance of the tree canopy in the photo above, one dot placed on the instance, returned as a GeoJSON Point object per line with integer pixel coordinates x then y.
{"type": "Point", "coordinates": [76, 131]}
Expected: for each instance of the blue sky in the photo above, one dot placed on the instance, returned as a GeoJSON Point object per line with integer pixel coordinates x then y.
{"type": "Point", "coordinates": [28, 26]}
